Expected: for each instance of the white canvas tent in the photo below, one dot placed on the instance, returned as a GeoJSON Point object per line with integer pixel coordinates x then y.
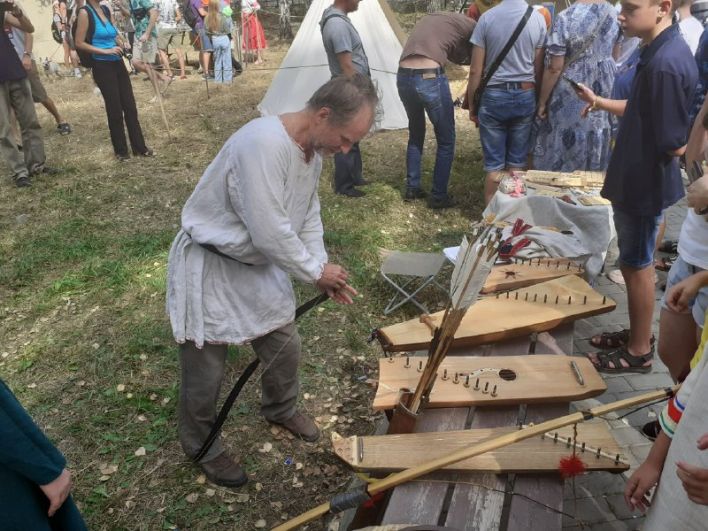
{"type": "Point", "coordinates": [305, 69]}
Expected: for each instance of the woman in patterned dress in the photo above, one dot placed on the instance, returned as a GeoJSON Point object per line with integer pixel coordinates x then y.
{"type": "Point", "coordinates": [580, 48]}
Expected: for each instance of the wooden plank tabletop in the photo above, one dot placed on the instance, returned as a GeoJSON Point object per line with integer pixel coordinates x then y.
{"type": "Point", "coordinates": [476, 501]}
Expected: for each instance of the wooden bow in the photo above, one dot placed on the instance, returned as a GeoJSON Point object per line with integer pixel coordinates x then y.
{"type": "Point", "coordinates": [486, 446]}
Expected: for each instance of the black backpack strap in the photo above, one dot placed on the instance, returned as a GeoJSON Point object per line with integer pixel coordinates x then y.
{"type": "Point", "coordinates": [502, 55]}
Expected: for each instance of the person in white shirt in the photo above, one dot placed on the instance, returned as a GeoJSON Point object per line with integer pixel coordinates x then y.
{"type": "Point", "coordinates": [251, 224]}
{"type": "Point", "coordinates": [171, 33]}
{"type": "Point", "coordinates": [690, 27]}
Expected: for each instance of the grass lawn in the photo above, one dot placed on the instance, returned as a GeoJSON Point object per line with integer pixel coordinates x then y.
{"type": "Point", "coordinates": [85, 342]}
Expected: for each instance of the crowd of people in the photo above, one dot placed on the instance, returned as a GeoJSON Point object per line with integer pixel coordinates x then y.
{"type": "Point", "coordinates": [108, 37]}
{"type": "Point", "coordinates": [597, 88]}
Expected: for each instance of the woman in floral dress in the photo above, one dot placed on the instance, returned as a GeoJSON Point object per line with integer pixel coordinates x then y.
{"type": "Point", "coordinates": [580, 48]}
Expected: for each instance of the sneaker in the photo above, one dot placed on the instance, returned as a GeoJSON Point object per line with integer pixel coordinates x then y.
{"type": "Point", "coordinates": [301, 426]}
{"type": "Point", "coordinates": [352, 192]}
{"type": "Point", "coordinates": [362, 182]}
{"type": "Point", "coordinates": [23, 182]}
{"type": "Point", "coordinates": [77, 73]}
{"type": "Point", "coordinates": [224, 471]}
{"type": "Point", "coordinates": [446, 202]}
{"type": "Point", "coordinates": [148, 153]}
{"type": "Point", "coordinates": [122, 158]}
{"type": "Point", "coordinates": [651, 430]}
{"type": "Point", "coordinates": [413, 193]}
{"type": "Point", "coordinates": [64, 128]}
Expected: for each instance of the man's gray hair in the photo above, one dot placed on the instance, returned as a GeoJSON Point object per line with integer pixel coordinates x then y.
{"type": "Point", "coordinates": [345, 96]}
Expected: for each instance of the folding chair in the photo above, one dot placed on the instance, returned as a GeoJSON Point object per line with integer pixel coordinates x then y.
{"type": "Point", "coordinates": [422, 269]}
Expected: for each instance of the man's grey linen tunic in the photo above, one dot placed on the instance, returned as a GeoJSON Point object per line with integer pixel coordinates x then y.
{"type": "Point", "coordinates": [256, 202]}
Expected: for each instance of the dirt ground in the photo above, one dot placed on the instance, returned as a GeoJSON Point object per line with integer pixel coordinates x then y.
{"type": "Point", "coordinates": [87, 348]}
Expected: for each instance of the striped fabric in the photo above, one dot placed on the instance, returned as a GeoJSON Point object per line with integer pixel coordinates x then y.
{"type": "Point", "coordinates": [670, 416]}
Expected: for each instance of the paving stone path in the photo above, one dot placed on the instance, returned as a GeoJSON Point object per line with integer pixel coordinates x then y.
{"type": "Point", "coordinates": [596, 502]}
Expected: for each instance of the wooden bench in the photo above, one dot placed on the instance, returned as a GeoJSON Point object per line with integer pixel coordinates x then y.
{"type": "Point", "coordinates": [481, 501]}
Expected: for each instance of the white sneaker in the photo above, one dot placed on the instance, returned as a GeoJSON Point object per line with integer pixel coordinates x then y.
{"type": "Point", "coordinates": [77, 73]}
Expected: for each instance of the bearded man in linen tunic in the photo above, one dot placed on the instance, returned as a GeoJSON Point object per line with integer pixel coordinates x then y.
{"type": "Point", "coordinates": [253, 222]}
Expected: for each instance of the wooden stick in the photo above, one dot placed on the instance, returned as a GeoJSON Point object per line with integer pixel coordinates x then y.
{"type": "Point", "coordinates": [492, 444]}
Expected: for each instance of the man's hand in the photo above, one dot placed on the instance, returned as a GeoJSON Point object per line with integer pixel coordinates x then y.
{"type": "Point", "coordinates": [473, 116]}
{"type": "Point", "coordinates": [57, 491]}
{"type": "Point", "coordinates": [697, 193]}
{"type": "Point", "coordinates": [334, 283]}
{"type": "Point", "coordinates": [333, 278]}
{"type": "Point", "coordinates": [641, 482]}
{"type": "Point", "coordinates": [143, 38]}
{"type": "Point", "coordinates": [27, 62]}
{"type": "Point", "coordinates": [343, 295]}
{"type": "Point", "coordinates": [542, 112]}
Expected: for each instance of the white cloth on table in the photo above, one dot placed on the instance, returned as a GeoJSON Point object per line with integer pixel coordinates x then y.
{"type": "Point", "coordinates": [590, 228]}
{"type": "Point", "coordinates": [257, 203]}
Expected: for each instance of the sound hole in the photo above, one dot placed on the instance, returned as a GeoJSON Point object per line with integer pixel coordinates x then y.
{"type": "Point", "coordinates": [507, 374]}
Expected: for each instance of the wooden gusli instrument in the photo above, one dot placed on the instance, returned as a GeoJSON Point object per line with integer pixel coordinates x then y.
{"type": "Point", "coordinates": [594, 445]}
{"type": "Point", "coordinates": [517, 313]}
{"type": "Point", "coordinates": [576, 179]}
{"type": "Point", "coordinates": [491, 380]}
{"type": "Point", "coordinates": [351, 499]}
{"type": "Point", "coordinates": [527, 272]}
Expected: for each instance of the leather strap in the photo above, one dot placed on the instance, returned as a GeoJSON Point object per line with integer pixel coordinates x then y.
{"type": "Point", "coordinates": [500, 58]}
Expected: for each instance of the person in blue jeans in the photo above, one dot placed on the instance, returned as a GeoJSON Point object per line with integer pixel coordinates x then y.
{"type": "Point", "coordinates": [219, 26]}
{"type": "Point", "coordinates": [508, 103]}
{"type": "Point", "coordinates": [424, 89]}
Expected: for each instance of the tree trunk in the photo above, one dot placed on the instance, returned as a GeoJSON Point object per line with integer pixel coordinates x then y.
{"type": "Point", "coordinates": [435, 5]}
{"type": "Point", "coordinates": [285, 30]}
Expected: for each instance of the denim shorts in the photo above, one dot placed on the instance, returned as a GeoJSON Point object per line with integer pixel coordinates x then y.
{"type": "Point", "coordinates": [636, 238]}
{"type": "Point", "coordinates": [205, 41]}
{"type": "Point", "coordinates": [505, 120]}
{"type": "Point", "coordinates": [680, 271]}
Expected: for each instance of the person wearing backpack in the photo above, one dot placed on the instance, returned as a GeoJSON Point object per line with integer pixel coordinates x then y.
{"type": "Point", "coordinates": [194, 13]}
{"type": "Point", "coordinates": [97, 36]}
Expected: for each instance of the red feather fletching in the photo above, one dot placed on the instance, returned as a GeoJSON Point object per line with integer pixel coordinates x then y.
{"type": "Point", "coordinates": [571, 466]}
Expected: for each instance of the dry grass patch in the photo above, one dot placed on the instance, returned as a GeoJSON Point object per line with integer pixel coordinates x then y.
{"type": "Point", "coordinates": [85, 342]}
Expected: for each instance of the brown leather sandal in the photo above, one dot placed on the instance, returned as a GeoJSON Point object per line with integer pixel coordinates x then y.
{"type": "Point", "coordinates": [610, 340]}
{"type": "Point", "coordinates": [615, 357]}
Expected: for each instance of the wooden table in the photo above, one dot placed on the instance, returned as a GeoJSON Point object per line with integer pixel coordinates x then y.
{"type": "Point", "coordinates": [478, 501]}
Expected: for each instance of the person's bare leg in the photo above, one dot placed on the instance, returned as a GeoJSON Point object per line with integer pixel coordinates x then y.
{"type": "Point", "coordinates": [52, 108]}
{"type": "Point", "coordinates": [155, 77]}
{"type": "Point", "coordinates": [204, 60]}
{"type": "Point", "coordinates": [165, 61]}
{"type": "Point", "coordinates": [677, 341]}
{"type": "Point", "coordinates": [67, 55]}
{"type": "Point", "coordinates": [640, 302]}
{"type": "Point", "coordinates": [491, 184]}
{"type": "Point", "coordinates": [182, 64]}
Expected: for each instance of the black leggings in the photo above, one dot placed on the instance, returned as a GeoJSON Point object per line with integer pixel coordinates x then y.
{"type": "Point", "coordinates": [114, 83]}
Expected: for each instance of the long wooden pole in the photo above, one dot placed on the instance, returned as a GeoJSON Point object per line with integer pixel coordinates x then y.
{"type": "Point", "coordinates": [483, 447]}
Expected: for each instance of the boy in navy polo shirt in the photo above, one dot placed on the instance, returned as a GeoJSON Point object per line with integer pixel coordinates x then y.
{"type": "Point", "coordinates": [643, 176]}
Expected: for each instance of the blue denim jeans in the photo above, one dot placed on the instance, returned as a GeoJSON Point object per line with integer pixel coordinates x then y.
{"type": "Point", "coordinates": [505, 120]}
{"type": "Point", "coordinates": [636, 238]}
{"type": "Point", "coordinates": [431, 96]}
{"type": "Point", "coordinates": [222, 59]}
